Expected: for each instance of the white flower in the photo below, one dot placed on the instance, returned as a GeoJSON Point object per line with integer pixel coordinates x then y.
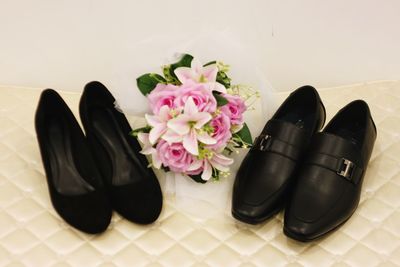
{"type": "Point", "coordinates": [158, 123]}
{"type": "Point", "coordinates": [148, 149]}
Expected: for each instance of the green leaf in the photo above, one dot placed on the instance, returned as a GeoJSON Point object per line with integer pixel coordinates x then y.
{"type": "Point", "coordinates": [145, 129]}
{"type": "Point", "coordinates": [197, 178]}
{"type": "Point", "coordinates": [167, 74]}
{"type": "Point", "coordinates": [245, 135]}
{"type": "Point", "coordinates": [215, 174]}
{"type": "Point", "coordinates": [166, 169]}
{"type": "Point", "coordinates": [210, 63]}
{"type": "Point", "coordinates": [221, 101]}
{"type": "Point", "coordinates": [223, 79]}
{"type": "Point", "coordinates": [185, 61]}
{"type": "Point", "coordinates": [147, 82]}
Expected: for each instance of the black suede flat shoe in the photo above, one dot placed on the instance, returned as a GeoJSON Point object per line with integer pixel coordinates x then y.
{"type": "Point", "coordinates": [74, 182]}
{"type": "Point", "coordinates": [329, 183]}
{"type": "Point", "coordinates": [134, 190]}
{"type": "Point", "coordinates": [266, 175]}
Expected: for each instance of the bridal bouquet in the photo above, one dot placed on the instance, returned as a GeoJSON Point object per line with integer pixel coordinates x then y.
{"type": "Point", "coordinates": [196, 118]}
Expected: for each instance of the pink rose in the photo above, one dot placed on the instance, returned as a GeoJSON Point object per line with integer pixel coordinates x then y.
{"type": "Point", "coordinates": [162, 95]}
{"type": "Point", "coordinates": [174, 156]}
{"type": "Point", "coordinates": [222, 133]}
{"type": "Point", "coordinates": [234, 109]}
{"type": "Point", "coordinates": [201, 95]}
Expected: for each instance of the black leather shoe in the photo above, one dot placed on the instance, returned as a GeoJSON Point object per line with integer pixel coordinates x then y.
{"type": "Point", "coordinates": [329, 184]}
{"type": "Point", "coordinates": [74, 182]}
{"type": "Point", "coordinates": [134, 190]}
{"type": "Point", "coordinates": [266, 174]}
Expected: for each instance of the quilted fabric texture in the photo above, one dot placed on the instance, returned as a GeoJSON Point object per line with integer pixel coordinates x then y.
{"type": "Point", "coordinates": [32, 234]}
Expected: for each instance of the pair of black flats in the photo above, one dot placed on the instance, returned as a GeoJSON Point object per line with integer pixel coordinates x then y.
{"type": "Point", "coordinates": [315, 175]}
{"type": "Point", "coordinates": [89, 176]}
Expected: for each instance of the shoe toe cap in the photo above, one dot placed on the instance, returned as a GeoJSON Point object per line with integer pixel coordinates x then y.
{"type": "Point", "coordinates": [90, 213]}
{"type": "Point", "coordinates": [255, 214]}
{"type": "Point", "coordinates": [140, 203]}
{"type": "Point", "coordinates": [246, 213]}
{"type": "Point", "coordinates": [299, 230]}
{"type": "Point", "coordinates": [304, 230]}
{"type": "Point", "coordinates": [94, 223]}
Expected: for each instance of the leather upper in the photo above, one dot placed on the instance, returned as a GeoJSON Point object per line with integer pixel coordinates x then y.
{"type": "Point", "coordinates": [266, 173]}
{"type": "Point", "coordinates": [329, 183]}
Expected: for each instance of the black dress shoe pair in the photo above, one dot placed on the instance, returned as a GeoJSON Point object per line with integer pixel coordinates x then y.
{"type": "Point", "coordinates": [90, 175]}
{"type": "Point", "coordinates": [316, 176]}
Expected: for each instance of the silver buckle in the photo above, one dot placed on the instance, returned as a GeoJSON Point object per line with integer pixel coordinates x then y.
{"type": "Point", "coordinates": [263, 142]}
{"type": "Point", "coordinates": [348, 169]}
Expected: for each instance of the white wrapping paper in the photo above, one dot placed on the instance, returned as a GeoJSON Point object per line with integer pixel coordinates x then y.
{"type": "Point", "coordinates": [213, 198]}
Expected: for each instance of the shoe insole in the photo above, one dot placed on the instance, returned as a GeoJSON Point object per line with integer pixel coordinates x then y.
{"type": "Point", "coordinates": [66, 177]}
{"type": "Point", "coordinates": [126, 168]}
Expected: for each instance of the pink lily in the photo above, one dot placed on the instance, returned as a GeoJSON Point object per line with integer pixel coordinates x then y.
{"type": "Point", "coordinates": [148, 149]}
{"type": "Point", "coordinates": [216, 161]}
{"type": "Point", "coordinates": [158, 123]}
{"type": "Point", "coordinates": [197, 73]}
{"type": "Point", "coordinates": [188, 125]}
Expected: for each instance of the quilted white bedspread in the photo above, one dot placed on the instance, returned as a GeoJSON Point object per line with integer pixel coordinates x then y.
{"type": "Point", "coordinates": [32, 234]}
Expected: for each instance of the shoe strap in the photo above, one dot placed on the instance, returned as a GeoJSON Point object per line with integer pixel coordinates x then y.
{"type": "Point", "coordinates": [343, 167]}
{"type": "Point", "coordinates": [337, 146]}
{"type": "Point", "coordinates": [268, 143]}
{"type": "Point", "coordinates": [282, 138]}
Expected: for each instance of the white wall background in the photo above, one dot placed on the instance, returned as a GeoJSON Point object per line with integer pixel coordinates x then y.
{"type": "Point", "coordinates": [65, 43]}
